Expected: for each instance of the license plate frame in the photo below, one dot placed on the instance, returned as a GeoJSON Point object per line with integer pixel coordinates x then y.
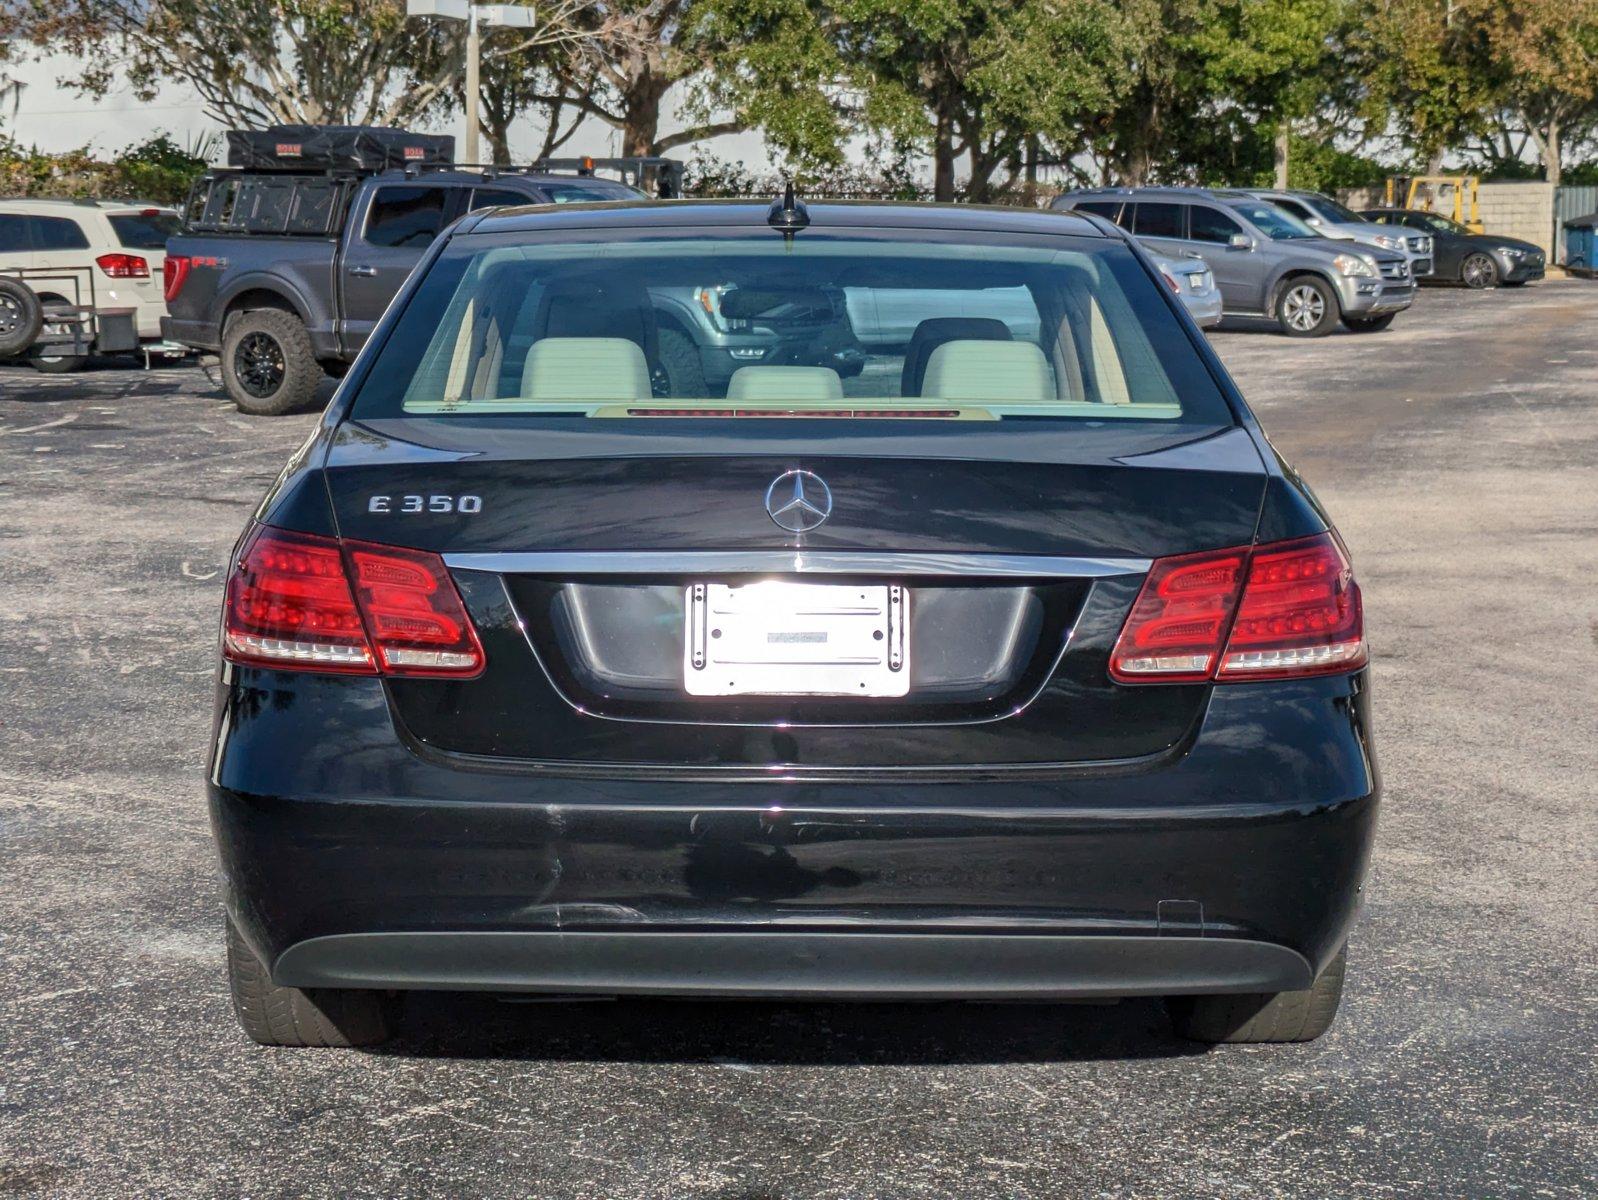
{"type": "Point", "coordinates": [787, 638]}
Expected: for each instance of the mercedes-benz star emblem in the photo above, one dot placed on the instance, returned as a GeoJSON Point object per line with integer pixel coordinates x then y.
{"type": "Point", "coordinates": [799, 501]}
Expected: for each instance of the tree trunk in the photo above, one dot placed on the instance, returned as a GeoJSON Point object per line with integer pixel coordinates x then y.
{"type": "Point", "coordinates": [1284, 135]}
{"type": "Point", "coordinates": [943, 156]}
{"type": "Point", "coordinates": [1551, 166]}
{"type": "Point", "coordinates": [640, 110]}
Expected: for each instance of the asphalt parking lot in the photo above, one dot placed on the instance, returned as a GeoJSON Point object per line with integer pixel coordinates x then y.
{"type": "Point", "coordinates": [1459, 452]}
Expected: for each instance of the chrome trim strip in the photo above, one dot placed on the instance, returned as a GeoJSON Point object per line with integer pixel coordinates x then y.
{"type": "Point", "coordinates": [793, 562]}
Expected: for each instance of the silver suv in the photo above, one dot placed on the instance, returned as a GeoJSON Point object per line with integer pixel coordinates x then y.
{"type": "Point", "coordinates": [1266, 262]}
{"type": "Point", "coordinates": [1330, 219]}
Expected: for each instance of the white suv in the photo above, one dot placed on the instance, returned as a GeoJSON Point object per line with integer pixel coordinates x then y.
{"type": "Point", "coordinates": [68, 248]}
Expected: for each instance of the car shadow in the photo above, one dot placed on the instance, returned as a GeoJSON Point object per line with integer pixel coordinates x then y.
{"type": "Point", "coordinates": [780, 1033]}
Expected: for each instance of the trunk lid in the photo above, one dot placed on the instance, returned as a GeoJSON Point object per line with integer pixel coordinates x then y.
{"type": "Point", "coordinates": [575, 555]}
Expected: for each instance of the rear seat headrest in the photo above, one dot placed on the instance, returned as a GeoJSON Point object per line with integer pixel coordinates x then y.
{"type": "Point", "coordinates": [983, 372]}
{"type": "Point", "coordinates": [785, 383]}
{"type": "Point", "coordinates": [932, 333]}
{"type": "Point", "coordinates": [595, 369]}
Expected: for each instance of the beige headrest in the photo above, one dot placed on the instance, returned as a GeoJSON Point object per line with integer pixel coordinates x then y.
{"type": "Point", "coordinates": [597, 368]}
{"type": "Point", "coordinates": [982, 372]}
{"type": "Point", "coordinates": [785, 383]}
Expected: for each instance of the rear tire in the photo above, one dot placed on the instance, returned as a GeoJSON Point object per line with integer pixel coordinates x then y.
{"type": "Point", "coordinates": [21, 317]}
{"type": "Point", "coordinates": [1369, 324]}
{"type": "Point", "coordinates": [283, 1016]}
{"type": "Point", "coordinates": [268, 366]}
{"type": "Point", "coordinates": [685, 373]}
{"type": "Point", "coordinates": [1266, 1017]}
{"type": "Point", "coordinates": [1307, 307]}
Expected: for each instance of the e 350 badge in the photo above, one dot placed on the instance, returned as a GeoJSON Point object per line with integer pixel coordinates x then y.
{"type": "Point", "coordinates": [413, 504]}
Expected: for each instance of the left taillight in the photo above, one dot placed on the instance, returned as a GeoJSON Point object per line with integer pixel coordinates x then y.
{"type": "Point", "coordinates": [302, 602]}
{"type": "Point", "coordinates": [123, 266]}
{"type": "Point", "coordinates": [174, 273]}
{"type": "Point", "coordinates": [1283, 610]}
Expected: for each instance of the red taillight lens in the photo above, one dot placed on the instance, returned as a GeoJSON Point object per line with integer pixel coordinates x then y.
{"type": "Point", "coordinates": [174, 273]}
{"type": "Point", "coordinates": [1170, 282]}
{"type": "Point", "coordinates": [414, 613]}
{"type": "Point", "coordinates": [1300, 615]}
{"type": "Point", "coordinates": [1178, 626]}
{"type": "Point", "coordinates": [290, 604]}
{"type": "Point", "coordinates": [1278, 611]}
{"type": "Point", "coordinates": [123, 266]}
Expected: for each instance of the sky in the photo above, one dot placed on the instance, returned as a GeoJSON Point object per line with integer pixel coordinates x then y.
{"type": "Point", "coordinates": [55, 118]}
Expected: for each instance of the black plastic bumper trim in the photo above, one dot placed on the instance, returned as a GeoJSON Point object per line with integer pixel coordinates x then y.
{"type": "Point", "coordinates": [856, 965]}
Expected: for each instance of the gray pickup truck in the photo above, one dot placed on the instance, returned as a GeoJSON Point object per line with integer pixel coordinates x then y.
{"type": "Point", "coordinates": [284, 272]}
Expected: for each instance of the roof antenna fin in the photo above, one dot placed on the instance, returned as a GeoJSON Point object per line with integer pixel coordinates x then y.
{"type": "Point", "coordinates": [788, 215]}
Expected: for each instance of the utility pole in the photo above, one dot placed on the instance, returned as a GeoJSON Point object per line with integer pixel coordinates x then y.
{"type": "Point", "coordinates": [475, 16]}
{"type": "Point", "coordinates": [474, 54]}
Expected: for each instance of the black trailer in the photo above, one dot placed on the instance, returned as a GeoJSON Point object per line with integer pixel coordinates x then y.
{"type": "Point", "coordinates": [32, 329]}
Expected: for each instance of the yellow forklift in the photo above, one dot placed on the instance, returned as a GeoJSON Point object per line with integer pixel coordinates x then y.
{"type": "Point", "coordinates": [1451, 195]}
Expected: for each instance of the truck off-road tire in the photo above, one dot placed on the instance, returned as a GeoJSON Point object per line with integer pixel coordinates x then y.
{"type": "Point", "coordinates": [21, 317]}
{"type": "Point", "coordinates": [1307, 307]}
{"type": "Point", "coordinates": [284, 1016]}
{"type": "Point", "coordinates": [685, 373]}
{"type": "Point", "coordinates": [268, 367]}
{"type": "Point", "coordinates": [1369, 324]}
{"type": "Point", "coordinates": [1268, 1017]}
{"type": "Point", "coordinates": [1478, 271]}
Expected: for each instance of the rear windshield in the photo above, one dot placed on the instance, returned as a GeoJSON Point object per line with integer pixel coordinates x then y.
{"type": "Point", "coordinates": [145, 231]}
{"type": "Point", "coordinates": [833, 325]}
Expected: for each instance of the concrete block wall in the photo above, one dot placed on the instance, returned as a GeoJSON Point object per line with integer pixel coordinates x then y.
{"type": "Point", "coordinates": [1521, 209]}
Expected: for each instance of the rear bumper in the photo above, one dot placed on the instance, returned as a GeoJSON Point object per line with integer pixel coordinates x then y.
{"type": "Point", "coordinates": [859, 965]}
{"type": "Point", "coordinates": [1205, 310]}
{"type": "Point", "coordinates": [201, 335]}
{"type": "Point", "coordinates": [1233, 864]}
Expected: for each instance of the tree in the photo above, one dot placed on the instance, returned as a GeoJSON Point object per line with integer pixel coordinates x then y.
{"type": "Point", "coordinates": [634, 52]}
{"type": "Point", "coordinates": [263, 62]}
{"type": "Point", "coordinates": [1544, 56]}
{"type": "Point", "coordinates": [1278, 61]}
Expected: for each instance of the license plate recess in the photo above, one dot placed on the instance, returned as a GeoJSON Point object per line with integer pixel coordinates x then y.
{"type": "Point", "coordinates": [781, 638]}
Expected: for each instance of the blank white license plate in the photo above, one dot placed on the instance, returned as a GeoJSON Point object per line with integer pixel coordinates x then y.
{"type": "Point", "coordinates": [796, 639]}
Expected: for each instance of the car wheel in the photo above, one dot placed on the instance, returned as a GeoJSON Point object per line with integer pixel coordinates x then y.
{"type": "Point", "coordinates": [1369, 324]}
{"type": "Point", "coordinates": [1478, 271]}
{"type": "Point", "coordinates": [21, 317]}
{"type": "Point", "coordinates": [268, 367]}
{"type": "Point", "coordinates": [1307, 307]}
{"type": "Point", "coordinates": [59, 364]}
{"type": "Point", "coordinates": [284, 1016]}
{"type": "Point", "coordinates": [1267, 1017]}
{"type": "Point", "coordinates": [685, 373]}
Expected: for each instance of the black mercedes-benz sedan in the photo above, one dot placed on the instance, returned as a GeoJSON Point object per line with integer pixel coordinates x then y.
{"type": "Point", "coordinates": [1008, 663]}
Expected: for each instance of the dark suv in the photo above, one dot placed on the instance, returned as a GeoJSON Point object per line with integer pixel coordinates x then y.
{"type": "Point", "coordinates": [1266, 261]}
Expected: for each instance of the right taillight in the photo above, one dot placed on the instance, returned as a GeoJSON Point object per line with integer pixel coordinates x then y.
{"type": "Point", "coordinates": [303, 602]}
{"type": "Point", "coordinates": [174, 273]}
{"type": "Point", "coordinates": [1282, 610]}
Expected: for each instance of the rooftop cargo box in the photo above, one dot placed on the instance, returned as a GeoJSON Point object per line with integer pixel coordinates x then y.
{"type": "Point", "coordinates": [335, 148]}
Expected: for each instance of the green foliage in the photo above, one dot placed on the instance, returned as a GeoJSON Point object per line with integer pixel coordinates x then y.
{"type": "Point", "coordinates": [157, 170]}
